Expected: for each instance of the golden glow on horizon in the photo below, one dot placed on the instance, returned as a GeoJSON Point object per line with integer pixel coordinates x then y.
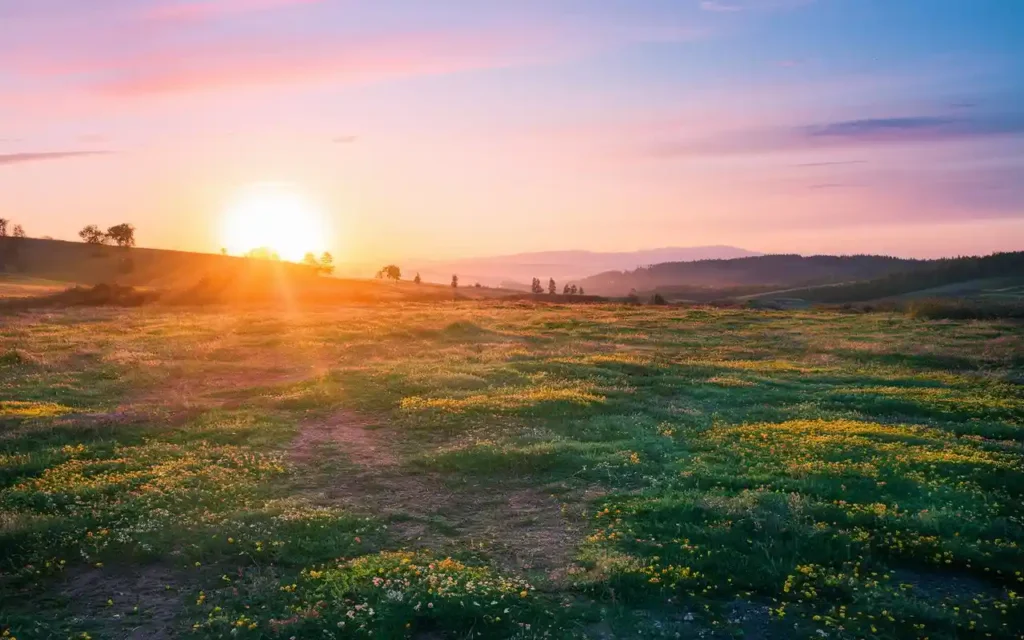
{"type": "Point", "coordinates": [276, 216]}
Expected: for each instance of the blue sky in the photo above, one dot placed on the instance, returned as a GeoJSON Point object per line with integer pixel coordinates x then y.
{"type": "Point", "coordinates": [453, 128]}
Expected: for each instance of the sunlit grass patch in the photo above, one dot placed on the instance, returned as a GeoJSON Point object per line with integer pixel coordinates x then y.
{"type": "Point", "coordinates": [729, 381]}
{"type": "Point", "coordinates": [390, 594]}
{"type": "Point", "coordinates": [133, 498]}
{"type": "Point", "coordinates": [761, 366]}
{"type": "Point", "coordinates": [508, 399]}
{"type": "Point", "coordinates": [977, 401]}
{"type": "Point", "coordinates": [22, 409]}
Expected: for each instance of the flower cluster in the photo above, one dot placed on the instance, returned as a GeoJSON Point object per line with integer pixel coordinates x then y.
{"type": "Point", "coordinates": [389, 594]}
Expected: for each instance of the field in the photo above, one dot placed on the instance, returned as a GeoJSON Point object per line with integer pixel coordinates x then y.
{"type": "Point", "coordinates": [488, 469]}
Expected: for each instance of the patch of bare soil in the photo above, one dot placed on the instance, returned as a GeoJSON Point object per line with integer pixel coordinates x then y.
{"type": "Point", "coordinates": [349, 432]}
{"type": "Point", "coordinates": [940, 585]}
{"type": "Point", "coordinates": [145, 601]}
{"type": "Point", "coordinates": [525, 529]}
{"type": "Point", "coordinates": [212, 390]}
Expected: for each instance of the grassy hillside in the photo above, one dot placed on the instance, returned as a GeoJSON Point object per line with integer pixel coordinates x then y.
{"type": "Point", "coordinates": [34, 267]}
{"type": "Point", "coordinates": [80, 263]}
{"type": "Point", "coordinates": [998, 276]}
{"type": "Point", "coordinates": [776, 271]}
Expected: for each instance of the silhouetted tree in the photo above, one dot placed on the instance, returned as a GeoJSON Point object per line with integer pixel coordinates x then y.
{"type": "Point", "coordinates": [326, 263]}
{"type": "Point", "coordinates": [122, 234]}
{"type": "Point", "coordinates": [18, 232]}
{"type": "Point", "coordinates": [91, 234]}
{"type": "Point", "coordinates": [477, 285]}
{"type": "Point", "coordinates": [552, 287]}
{"type": "Point", "coordinates": [391, 272]}
{"type": "Point", "coordinates": [565, 290]}
{"type": "Point", "coordinates": [417, 278]}
{"type": "Point", "coordinates": [536, 287]}
{"type": "Point", "coordinates": [658, 299]}
{"type": "Point", "coordinates": [572, 290]}
{"type": "Point", "coordinates": [223, 251]}
{"type": "Point", "coordinates": [581, 291]}
{"type": "Point", "coordinates": [455, 281]}
{"type": "Point", "coordinates": [3, 227]}
{"type": "Point", "coordinates": [310, 260]}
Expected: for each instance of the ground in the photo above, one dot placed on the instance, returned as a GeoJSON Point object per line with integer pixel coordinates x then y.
{"type": "Point", "coordinates": [509, 470]}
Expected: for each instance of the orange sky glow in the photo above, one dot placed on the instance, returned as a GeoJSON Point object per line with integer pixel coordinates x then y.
{"type": "Point", "coordinates": [464, 130]}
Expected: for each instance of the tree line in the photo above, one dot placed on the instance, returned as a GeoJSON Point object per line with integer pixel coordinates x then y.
{"type": "Point", "coordinates": [123, 235]}
{"type": "Point", "coordinates": [9, 251]}
{"type": "Point", "coordinates": [568, 290]}
{"type": "Point", "coordinates": [16, 231]}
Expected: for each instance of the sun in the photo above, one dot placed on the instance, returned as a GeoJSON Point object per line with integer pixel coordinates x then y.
{"type": "Point", "coordinates": [277, 216]}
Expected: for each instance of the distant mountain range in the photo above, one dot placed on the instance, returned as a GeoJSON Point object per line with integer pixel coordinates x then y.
{"type": "Point", "coordinates": [518, 270]}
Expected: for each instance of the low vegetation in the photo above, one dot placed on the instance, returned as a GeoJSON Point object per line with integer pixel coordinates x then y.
{"type": "Point", "coordinates": [510, 470]}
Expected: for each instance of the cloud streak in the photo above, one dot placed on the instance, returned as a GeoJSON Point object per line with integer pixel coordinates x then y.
{"type": "Point", "coordinates": [832, 163]}
{"type": "Point", "coordinates": [735, 6]}
{"type": "Point", "coordinates": [847, 134]}
{"type": "Point", "coordinates": [20, 158]}
{"type": "Point", "coordinates": [271, 61]}
{"type": "Point", "coordinates": [200, 11]}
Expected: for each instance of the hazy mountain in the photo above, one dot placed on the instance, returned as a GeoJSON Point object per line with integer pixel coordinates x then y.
{"type": "Point", "coordinates": [560, 265]}
{"type": "Point", "coordinates": [771, 270]}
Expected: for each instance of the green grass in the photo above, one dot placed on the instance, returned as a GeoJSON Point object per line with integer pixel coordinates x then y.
{"type": "Point", "coordinates": [508, 470]}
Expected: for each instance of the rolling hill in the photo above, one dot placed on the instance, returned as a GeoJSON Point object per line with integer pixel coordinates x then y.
{"type": "Point", "coordinates": [31, 267]}
{"type": "Point", "coordinates": [998, 276]}
{"type": "Point", "coordinates": [746, 275]}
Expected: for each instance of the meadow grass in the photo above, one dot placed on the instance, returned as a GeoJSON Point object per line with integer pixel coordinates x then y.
{"type": "Point", "coordinates": [510, 470]}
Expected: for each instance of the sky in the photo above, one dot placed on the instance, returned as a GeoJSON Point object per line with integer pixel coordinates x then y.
{"type": "Point", "coordinates": [455, 128]}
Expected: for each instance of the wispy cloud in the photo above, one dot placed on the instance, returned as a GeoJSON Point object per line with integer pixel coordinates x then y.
{"type": "Point", "coordinates": [19, 158]}
{"type": "Point", "coordinates": [719, 7]}
{"type": "Point", "coordinates": [268, 61]}
{"type": "Point", "coordinates": [830, 185]}
{"type": "Point", "coordinates": [848, 133]}
{"type": "Point", "coordinates": [735, 6]}
{"type": "Point", "coordinates": [172, 48]}
{"type": "Point", "coordinates": [344, 139]}
{"type": "Point", "coordinates": [831, 163]}
{"type": "Point", "coordinates": [917, 128]}
{"type": "Point", "coordinates": [197, 11]}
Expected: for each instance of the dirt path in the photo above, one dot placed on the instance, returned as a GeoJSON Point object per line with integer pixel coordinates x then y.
{"type": "Point", "coordinates": [524, 529]}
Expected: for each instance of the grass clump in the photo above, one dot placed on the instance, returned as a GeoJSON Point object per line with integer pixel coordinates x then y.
{"type": "Point", "coordinates": [392, 594]}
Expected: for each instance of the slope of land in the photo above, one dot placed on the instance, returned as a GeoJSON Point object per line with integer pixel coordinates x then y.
{"type": "Point", "coordinates": [998, 276]}
{"type": "Point", "coordinates": [35, 267]}
{"type": "Point", "coordinates": [497, 470]}
{"type": "Point", "coordinates": [773, 271]}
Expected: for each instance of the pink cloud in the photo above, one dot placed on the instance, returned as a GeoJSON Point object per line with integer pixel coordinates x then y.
{"type": "Point", "coordinates": [195, 10]}
{"type": "Point", "coordinates": [172, 48]}
{"type": "Point", "coordinates": [258, 62]}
